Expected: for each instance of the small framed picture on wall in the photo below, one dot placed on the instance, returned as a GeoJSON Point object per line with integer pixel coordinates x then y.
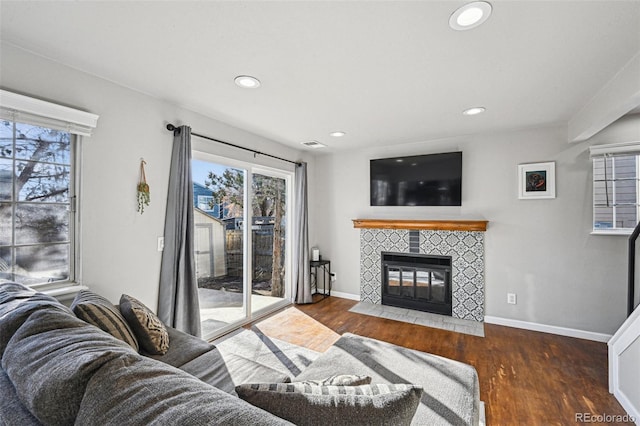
{"type": "Point", "coordinates": [537, 180]}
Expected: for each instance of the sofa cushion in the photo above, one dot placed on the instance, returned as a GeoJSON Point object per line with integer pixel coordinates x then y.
{"type": "Point", "coordinates": [305, 404]}
{"type": "Point", "coordinates": [183, 348]}
{"type": "Point", "coordinates": [451, 388]}
{"type": "Point", "coordinates": [134, 390]}
{"type": "Point", "coordinates": [98, 311]}
{"type": "Point", "coordinates": [50, 359]}
{"type": "Point", "coordinates": [149, 330]}
{"type": "Point", "coordinates": [226, 371]}
{"type": "Point", "coordinates": [17, 303]}
{"type": "Point", "coordinates": [12, 412]}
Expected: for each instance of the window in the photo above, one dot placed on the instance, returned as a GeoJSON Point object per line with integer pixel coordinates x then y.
{"type": "Point", "coordinates": [38, 180]}
{"type": "Point", "coordinates": [36, 203]}
{"type": "Point", "coordinates": [205, 202]}
{"type": "Point", "coordinates": [616, 184]}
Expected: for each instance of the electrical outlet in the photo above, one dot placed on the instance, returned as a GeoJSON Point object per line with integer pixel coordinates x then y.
{"type": "Point", "coordinates": [511, 298]}
{"type": "Point", "coordinates": [333, 277]}
{"type": "Point", "coordinates": [160, 243]}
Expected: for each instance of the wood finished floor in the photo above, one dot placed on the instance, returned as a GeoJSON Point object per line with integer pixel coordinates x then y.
{"type": "Point", "coordinates": [526, 377]}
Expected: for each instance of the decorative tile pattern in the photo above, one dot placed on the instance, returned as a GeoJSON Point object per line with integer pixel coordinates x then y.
{"type": "Point", "coordinates": [466, 249]}
{"type": "Point", "coordinates": [372, 242]}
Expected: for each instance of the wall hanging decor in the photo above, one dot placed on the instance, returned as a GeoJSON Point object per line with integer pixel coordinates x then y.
{"type": "Point", "coordinates": [537, 180]}
{"type": "Point", "coordinates": [144, 196]}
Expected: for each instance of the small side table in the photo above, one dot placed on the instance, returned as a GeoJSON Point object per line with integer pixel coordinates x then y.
{"type": "Point", "coordinates": [324, 267]}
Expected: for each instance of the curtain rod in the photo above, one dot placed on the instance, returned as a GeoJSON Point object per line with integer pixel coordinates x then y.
{"type": "Point", "coordinates": [172, 128]}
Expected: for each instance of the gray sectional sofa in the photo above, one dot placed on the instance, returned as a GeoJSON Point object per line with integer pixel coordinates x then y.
{"type": "Point", "coordinates": [57, 369]}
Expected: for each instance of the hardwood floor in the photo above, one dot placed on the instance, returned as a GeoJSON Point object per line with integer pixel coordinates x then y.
{"type": "Point", "coordinates": [526, 377]}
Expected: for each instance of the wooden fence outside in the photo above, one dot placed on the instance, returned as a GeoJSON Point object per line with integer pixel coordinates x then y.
{"type": "Point", "coordinates": [262, 253]}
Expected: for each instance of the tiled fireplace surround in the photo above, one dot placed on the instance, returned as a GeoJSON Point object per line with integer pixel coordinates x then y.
{"type": "Point", "coordinates": [462, 240]}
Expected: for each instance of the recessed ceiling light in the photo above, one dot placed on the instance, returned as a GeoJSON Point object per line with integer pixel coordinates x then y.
{"type": "Point", "coordinates": [470, 15]}
{"type": "Point", "coordinates": [474, 111]}
{"type": "Point", "coordinates": [337, 134]}
{"type": "Point", "coordinates": [247, 82]}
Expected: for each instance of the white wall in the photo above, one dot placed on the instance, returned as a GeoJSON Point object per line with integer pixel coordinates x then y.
{"type": "Point", "coordinates": [541, 250]}
{"type": "Point", "coordinates": [118, 244]}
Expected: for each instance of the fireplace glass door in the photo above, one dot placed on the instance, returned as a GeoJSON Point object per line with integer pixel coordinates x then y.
{"type": "Point", "coordinates": [417, 284]}
{"type": "Point", "coordinates": [430, 285]}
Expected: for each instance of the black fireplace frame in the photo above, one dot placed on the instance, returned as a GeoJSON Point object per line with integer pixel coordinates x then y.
{"type": "Point", "coordinates": [438, 264]}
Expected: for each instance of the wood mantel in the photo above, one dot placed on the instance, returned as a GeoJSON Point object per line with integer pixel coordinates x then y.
{"type": "Point", "coordinates": [431, 225]}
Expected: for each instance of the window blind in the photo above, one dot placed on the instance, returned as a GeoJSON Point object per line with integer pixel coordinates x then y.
{"type": "Point", "coordinates": [24, 109]}
{"type": "Point", "coordinates": [623, 148]}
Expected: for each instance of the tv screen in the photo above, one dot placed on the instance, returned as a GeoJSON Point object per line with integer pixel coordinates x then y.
{"type": "Point", "coordinates": [420, 180]}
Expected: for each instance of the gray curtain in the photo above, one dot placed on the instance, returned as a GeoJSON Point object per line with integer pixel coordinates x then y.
{"type": "Point", "coordinates": [301, 272]}
{"type": "Point", "coordinates": [178, 303]}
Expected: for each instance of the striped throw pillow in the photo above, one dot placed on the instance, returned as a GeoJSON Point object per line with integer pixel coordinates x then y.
{"type": "Point", "coordinates": [340, 379]}
{"type": "Point", "coordinates": [308, 404]}
{"type": "Point", "coordinates": [150, 331]}
{"type": "Point", "coordinates": [98, 311]}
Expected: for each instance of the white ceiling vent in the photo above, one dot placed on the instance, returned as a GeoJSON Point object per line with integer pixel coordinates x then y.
{"type": "Point", "coordinates": [313, 144]}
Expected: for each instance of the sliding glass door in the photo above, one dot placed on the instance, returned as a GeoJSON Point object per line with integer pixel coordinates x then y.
{"type": "Point", "coordinates": [240, 242]}
{"type": "Point", "coordinates": [268, 239]}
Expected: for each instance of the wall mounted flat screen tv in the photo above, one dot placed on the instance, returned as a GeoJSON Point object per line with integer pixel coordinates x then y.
{"type": "Point", "coordinates": [420, 180]}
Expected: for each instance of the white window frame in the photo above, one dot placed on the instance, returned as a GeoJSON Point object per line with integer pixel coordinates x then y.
{"type": "Point", "coordinates": [24, 109]}
{"type": "Point", "coordinates": [613, 150]}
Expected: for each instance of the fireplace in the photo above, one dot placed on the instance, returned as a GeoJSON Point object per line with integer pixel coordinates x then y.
{"type": "Point", "coordinates": [462, 240]}
{"type": "Point", "coordinates": [417, 281]}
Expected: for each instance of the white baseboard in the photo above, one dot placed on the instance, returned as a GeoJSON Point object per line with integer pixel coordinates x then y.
{"type": "Point", "coordinates": [562, 331]}
{"type": "Point", "coordinates": [345, 295]}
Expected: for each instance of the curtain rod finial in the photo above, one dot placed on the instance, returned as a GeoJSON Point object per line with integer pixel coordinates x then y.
{"type": "Point", "coordinates": [171, 127]}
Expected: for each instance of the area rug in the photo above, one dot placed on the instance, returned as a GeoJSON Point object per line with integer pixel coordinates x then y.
{"type": "Point", "coordinates": [285, 357]}
{"type": "Point", "coordinates": [426, 319]}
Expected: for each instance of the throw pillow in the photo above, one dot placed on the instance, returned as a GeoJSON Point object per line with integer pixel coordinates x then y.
{"type": "Point", "coordinates": [98, 311]}
{"type": "Point", "coordinates": [305, 404]}
{"type": "Point", "coordinates": [150, 331]}
{"type": "Point", "coordinates": [340, 380]}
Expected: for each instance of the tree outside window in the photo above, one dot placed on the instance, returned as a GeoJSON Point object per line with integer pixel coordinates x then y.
{"type": "Point", "coordinates": [35, 203]}
{"type": "Point", "coordinates": [268, 201]}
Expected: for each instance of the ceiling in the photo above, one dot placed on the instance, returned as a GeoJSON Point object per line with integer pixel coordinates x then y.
{"type": "Point", "coordinates": [384, 72]}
